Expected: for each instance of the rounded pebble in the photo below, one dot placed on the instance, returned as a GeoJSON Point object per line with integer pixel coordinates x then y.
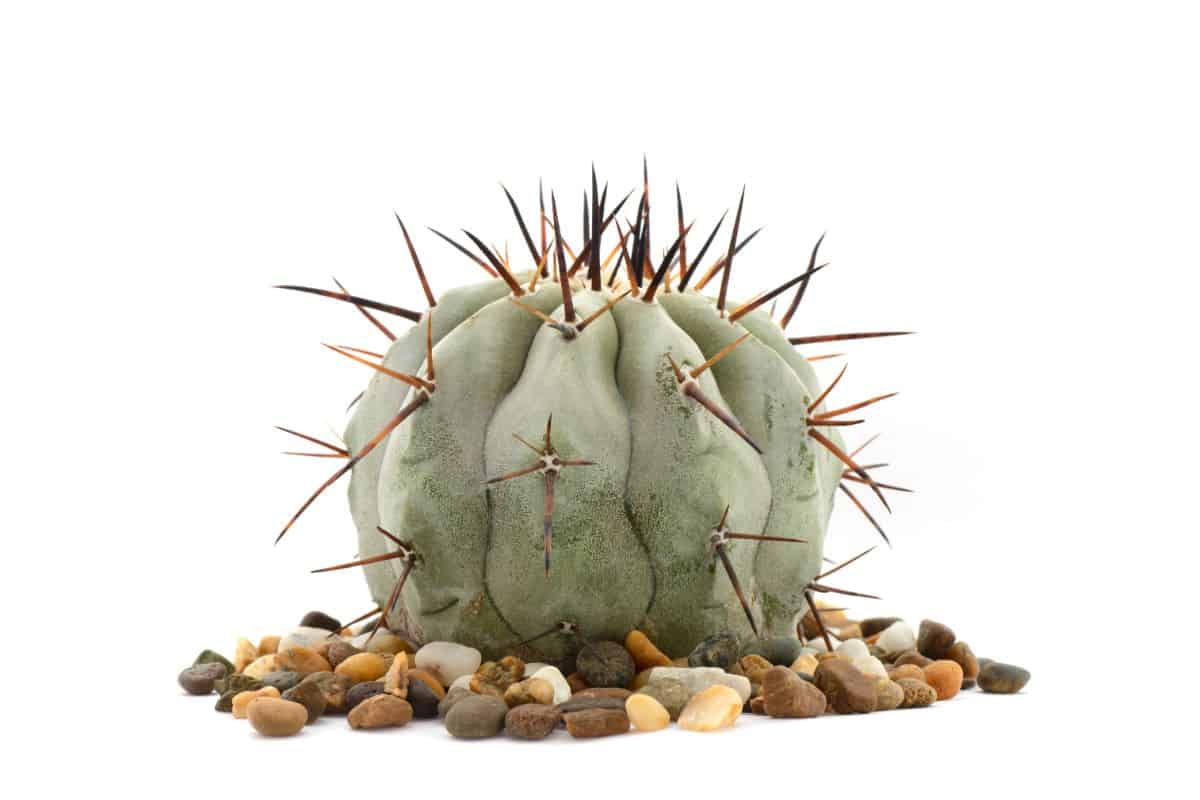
{"type": "Point", "coordinates": [645, 653]}
{"type": "Point", "coordinates": [945, 677]}
{"type": "Point", "coordinates": [998, 678]}
{"type": "Point", "coordinates": [784, 694]}
{"type": "Point", "coordinates": [595, 722]}
{"type": "Point", "coordinates": [423, 699]}
{"type": "Point", "coordinates": [847, 690]}
{"type": "Point", "coordinates": [456, 694]}
{"type": "Point", "coordinates": [896, 638]}
{"type": "Point", "coordinates": [362, 691]}
{"type": "Point", "coordinates": [712, 709]}
{"type": "Point", "coordinates": [447, 661]}
{"type": "Point", "coordinates": [870, 665]}
{"type": "Point", "coordinates": [362, 667]}
{"type": "Point", "coordinates": [645, 713]}
{"type": "Point", "coordinates": [273, 716]}
{"type": "Point", "coordinates": [888, 695]}
{"type": "Point", "coordinates": [242, 700]}
{"type": "Point", "coordinates": [302, 659]}
{"type": "Point", "coordinates": [697, 679]}
{"type": "Point", "coordinates": [719, 651]}
{"type": "Point", "coordinates": [304, 637]}
{"type": "Point", "coordinates": [670, 693]}
{"type": "Point", "coordinates": [852, 649]}
{"type": "Point", "coordinates": [960, 652]}
{"type": "Point", "coordinates": [605, 664]}
{"type": "Point", "coordinates": [779, 650]}
{"type": "Point", "coordinates": [531, 690]}
{"type": "Point", "coordinates": [201, 678]}
{"type": "Point", "coordinates": [917, 694]}
{"type": "Point", "coordinates": [310, 696]}
{"type": "Point", "coordinates": [531, 721]}
{"type": "Point", "coordinates": [380, 711]}
{"type": "Point", "coordinates": [934, 639]}
{"type": "Point", "coordinates": [319, 619]}
{"type": "Point", "coordinates": [562, 689]}
{"type": "Point", "coordinates": [476, 717]}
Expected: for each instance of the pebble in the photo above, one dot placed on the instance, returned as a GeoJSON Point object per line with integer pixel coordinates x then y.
{"type": "Point", "coordinates": [906, 671]}
{"type": "Point", "coordinates": [303, 637]}
{"type": "Point", "coordinates": [362, 667]}
{"type": "Point", "coordinates": [380, 711]}
{"type": "Point", "coordinates": [268, 645]}
{"type": "Point", "coordinates": [852, 649]}
{"type": "Point", "coordinates": [912, 657]}
{"type": "Point", "coordinates": [530, 690]}
{"type": "Point", "coordinates": [237, 683]}
{"type": "Point", "coordinates": [698, 679]}
{"type": "Point", "coordinates": [945, 676]}
{"type": "Point", "coordinates": [578, 703]}
{"type": "Point", "coordinates": [670, 693]}
{"type": "Point", "coordinates": [871, 667]}
{"type": "Point", "coordinates": [273, 716]}
{"type": "Point", "coordinates": [302, 659]}
{"type": "Point", "coordinates": [429, 681]}
{"type": "Point", "coordinates": [888, 695]}
{"type": "Point", "coordinates": [999, 678]}
{"type": "Point", "coordinates": [333, 687]}
{"type": "Point", "coordinates": [532, 667]}
{"type": "Point", "coordinates": [476, 717]}
{"type": "Point", "coordinates": [968, 683]}
{"type": "Point", "coordinates": [897, 637]}
{"type": "Point", "coordinates": [384, 642]}
{"type": "Point", "coordinates": [243, 653]}
{"type": "Point", "coordinates": [318, 619]}
{"type": "Point", "coordinates": [453, 696]}
{"type": "Point", "coordinates": [242, 700]}
{"type": "Point", "coordinates": [596, 722]}
{"type": "Point", "coordinates": [494, 677]}
{"type": "Point", "coordinates": [961, 653]}
{"type": "Point", "coordinates": [779, 650]}
{"type": "Point", "coordinates": [719, 651]}
{"type": "Point", "coordinates": [847, 690]}
{"type": "Point", "coordinates": [395, 680]}
{"type": "Point", "coordinates": [874, 625]}
{"type": "Point", "coordinates": [423, 699]}
{"type": "Point", "coordinates": [282, 680]}
{"type": "Point", "coordinates": [712, 709]}
{"type": "Point", "coordinates": [753, 667]}
{"type": "Point", "coordinates": [201, 678]}
{"type": "Point", "coordinates": [311, 697]}
{"type": "Point", "coordinates": [562, 689]}
{"type": "Point", "coordinates": [605, 664]}
{"type": "Point", "coordinates": [784, 694]}
{"type": "Point", "coordinates": [645, 713]}
{"type": "Point", "coordinates": [262, 666]}
{"type": "Point", "coordinates": [339, 651]}
{"type": "Point", "coordinates": [362, 691]}
{"type": "Point", "coordinates": [807, 662]}
{"type": "Point", "coordinates": [213, 657]}
{"type": "Point", "coordinates": [447, 661]}
{"type": "Point", "coordinates": [644, 652]}
{"type": "Point", "coordinates": [934, 639]}
{"type": "Point", "coordinates": [576, 682]}
{"type": "Point", "coordinates": [917, 694]}
{"type": "Point", "coordinates": [531, 721]}
{"type": "Point", "coordinates": [461, 682]}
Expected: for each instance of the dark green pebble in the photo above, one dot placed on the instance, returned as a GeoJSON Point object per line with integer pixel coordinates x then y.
{"type": "Point", "coordinates": [781, 651]}
{"type": "Point", "coordinates": [211, 657]}
{"type": "Point", "coordinates": [605, 664]}
{"type": "Point", "coordinates": [720, 650]}
{"type": "Point", "coordinates": [238, 683]}
{"type": "Point", "coordinates": [310, 696]}
{"type": "Point", "coordinates": [282, 680]}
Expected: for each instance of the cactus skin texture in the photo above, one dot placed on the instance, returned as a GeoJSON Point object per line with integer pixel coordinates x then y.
{"type": "Point", "coordinates": [683, 488]}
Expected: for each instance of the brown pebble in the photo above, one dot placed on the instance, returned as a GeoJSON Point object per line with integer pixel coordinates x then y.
{"type": "Point", "coordinates": [576, 682]}
{"type": "Point", "coordinates": [531, 721]}
{"type": "Point", "coordinates": [594, 722]}
{"type": "Point", "coordinates": [784, 694]}
{"type": "Point", "coordinates": [945, 677]}
{"type": "Point", "coordinates": [912, 657]}
{"type": "Point", "coordinates": [888, 695]}
{"type": "Point", "coordinates": [339, 651]}
{"type": "Point", "coordinates": [310, 696]}
{"type": "Point", "coordinates": [960, 652]}
{"type": "Point", "coordinates": [999, 678]}
{"type": "Point", "coordinates": [267, 645]}
{"type": "Point", "coordinates": [380, 711]}
{"type": "Point", "coordinates": [303, 659]}
{"type": "Point", "coordinates": [272, 716]}
{"type": "Point", "coordinates": [603, 691]}
{"type": "Point", "coordinates": [333, 687]}
{"type": "Point", "coordinates": [906, 671]}
{"type": "Point", "coordinates": [934, 639]}
{"type": "Point", "coordinates": [494, 677]}
{"type": "Point", "coordinates": [847, 689]}
{"type": "Point", "coordinates": [874, 625]}
{"type": "Point", "coordinates": [529, 691]}
{"type": "Point", "coordinates": [917, 694]}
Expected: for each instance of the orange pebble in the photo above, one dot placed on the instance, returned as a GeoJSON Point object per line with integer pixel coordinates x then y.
{"type": "Point", "coordinates": [645, 654]}
{"type": "Point", "coordinates": [945, 677]}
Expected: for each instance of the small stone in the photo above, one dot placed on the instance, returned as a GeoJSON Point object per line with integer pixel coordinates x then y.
{"type": "Point", "coordinates": [998, 678]}
{"type": "Point", "coordinates": [906, 671]}
{"type": "Point", "coordinates": [871, 667]}
{"type": "Point", "coordinates": [645, 713]}
{"type": "Point", "coordinates": [670, 693]}
{"type": "Point", "coordinates": [806, 663]}
{"type": "Point", "coordinates": [447, 661]}
{"type": "Point", "coordinates": [268, 645]}
{"type": "Point", "coordinates": [362, 691]}
{"type": "Point", "coordinates": [380, 711]}
{"type": "Point", "coordinates": [912, 657]}
{"type": "Point", "coordinates": [311, 697]}
{"type": "Point", "coordinates": [303, 659]}
{"type": "Point", "coordinates": [753, 667]}
{"type": "Point", "coordinates": [968, 683]}
{"type": "Point", "coordinates": [531, 721]}
{"type": "Point", "coordinates": [362, 667]}
{"type": "Point", "coordinates": [242, 699]}
{"type": "Point", "coordinates": [874, 625]}
{"type": "Point", "coordinates": [934, 639]}
{"type": "Point", "coordinates": [596, 722]}
{"type": "Point", "coordinates": [917, 694]}
{"type": "Point", "coordinates": [945, 676]}
{"type": "Point", "coordinates": [201, 678]}
{"type": "Point", "coordinates": [583, 703]}
{"type": "Point", "coordinates": [462, 682]}
{"type": "Point", "coordinates": [262, 666]}
{"type": "Point", "coordinates": [395, 680]}
{"type": "Point", "coordinates": [530, 690]}
{"type": "Point", "coordinates": [605, 664]}
{"type": "Point", "coordinates": [453, 696]}
{"type": "Point", "coordinates": [983, 662]}
{"type": "Point", "coordinates": [852, 649]}
{"type": "Point", "coordinates": [532, 667]}
{"type": "Point", "coordinates": [273, 716]}
{"type": "Point", "coordinates": [604, 691]}
{"type": "Point", "coordinates": [282, 679]}
{"type": "Point", "coordinates": [430, 681]}
{"type": "Point", "coordinates": [847, 690]}
{"type": "Point", "coordinates": [960, 653]}
{"type": "Point", "coordinates": [476, 717]}
{"type": "Point", "coordinates": [243, 653]}
{"type": "Point", "coordinates": [576, 682]}
{"type": "Point", "coordinates": [213, 657]}
{"type": "Point", "coordinates": [423, 699]}
{"type": "Point", "coordinates": [562, 690]}
{"type": "Point", "coordinates": [779, 651]}
{"type": "Point", "coordinates": [697, 679]}
{"type": "Point", "coordinates": [318, 619]}
{"type": "Point", "coordinates": [644, 652]}
{"type": "Point", "coordinates": [759, 706]}
{"type": "Point", "coordinates": [237, 683]}
{"type": "Point", "coordinates": [304, 637]}
{"type": "Point", "coordinates": [786, 695]}
{"type": "Point", "coordinates": [712, 709]}
{"type": "Point", "coordinates": [333, 687]}
{"type": "Point", "coordinates": [897, 637]}
{"type": "Point", "coordinates": [383, 642]}
{"type": "Point", "coordinates": [641, 679]}
{"type": "Point", "coordinates": [719, 651]}
{"type": "Point", "coordinates": [494, 677]}
{"type": "Point", "coordinates": [888, 695]}
{"type": "Point", "coordinates": [339, 651]}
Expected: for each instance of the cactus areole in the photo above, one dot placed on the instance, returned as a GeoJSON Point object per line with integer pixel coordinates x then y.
{"type": "Point", "coordinates": [588, 444]}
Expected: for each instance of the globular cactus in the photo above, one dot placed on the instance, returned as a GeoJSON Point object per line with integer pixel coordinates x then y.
{"type": "Point", "coordinates": [594, 446]}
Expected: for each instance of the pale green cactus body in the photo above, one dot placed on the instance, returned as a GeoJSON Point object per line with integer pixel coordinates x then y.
{"type": "Point", "coordinates": [631, 533]}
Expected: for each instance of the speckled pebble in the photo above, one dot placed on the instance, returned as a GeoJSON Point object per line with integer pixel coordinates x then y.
{"type": "Point", "coordinates": [605, 664]}
{"type": "Point", "coordinates": [531, 721]}
{"type": "Point", "coordinates": [917, 694]}
{"type": "Point", "coordinates": [721, 651]}
{"type": "Point", "coordinates": [888, 695]}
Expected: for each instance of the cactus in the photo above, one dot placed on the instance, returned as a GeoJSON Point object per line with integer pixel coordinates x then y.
{"type": "Point", "coordinates": [593, 445]}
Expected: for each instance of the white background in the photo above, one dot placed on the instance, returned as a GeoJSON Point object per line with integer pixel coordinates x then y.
{"type": "Point", "coordinates": [1018, 183]}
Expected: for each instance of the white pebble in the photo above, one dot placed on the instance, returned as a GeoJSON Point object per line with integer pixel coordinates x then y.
{"type": "Point", "coordinates": [697, 679]}
{"type": "Point", "coordinates": [463, 681]}
{"type": "Point", "coordinates": [562, 689]}
{"type": "Point", "coordinates": [304, 637]}
{"type": "Point", "coordinates": [532, 667]}
{"type": "Point", "coordinates": [871, 665]}
{"type": "Point", "coordinates": [897, 638]}
{"type": "Point", "coordinates": [853, 648]}
{"type": "Point", "coordinates": [447, 661]}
